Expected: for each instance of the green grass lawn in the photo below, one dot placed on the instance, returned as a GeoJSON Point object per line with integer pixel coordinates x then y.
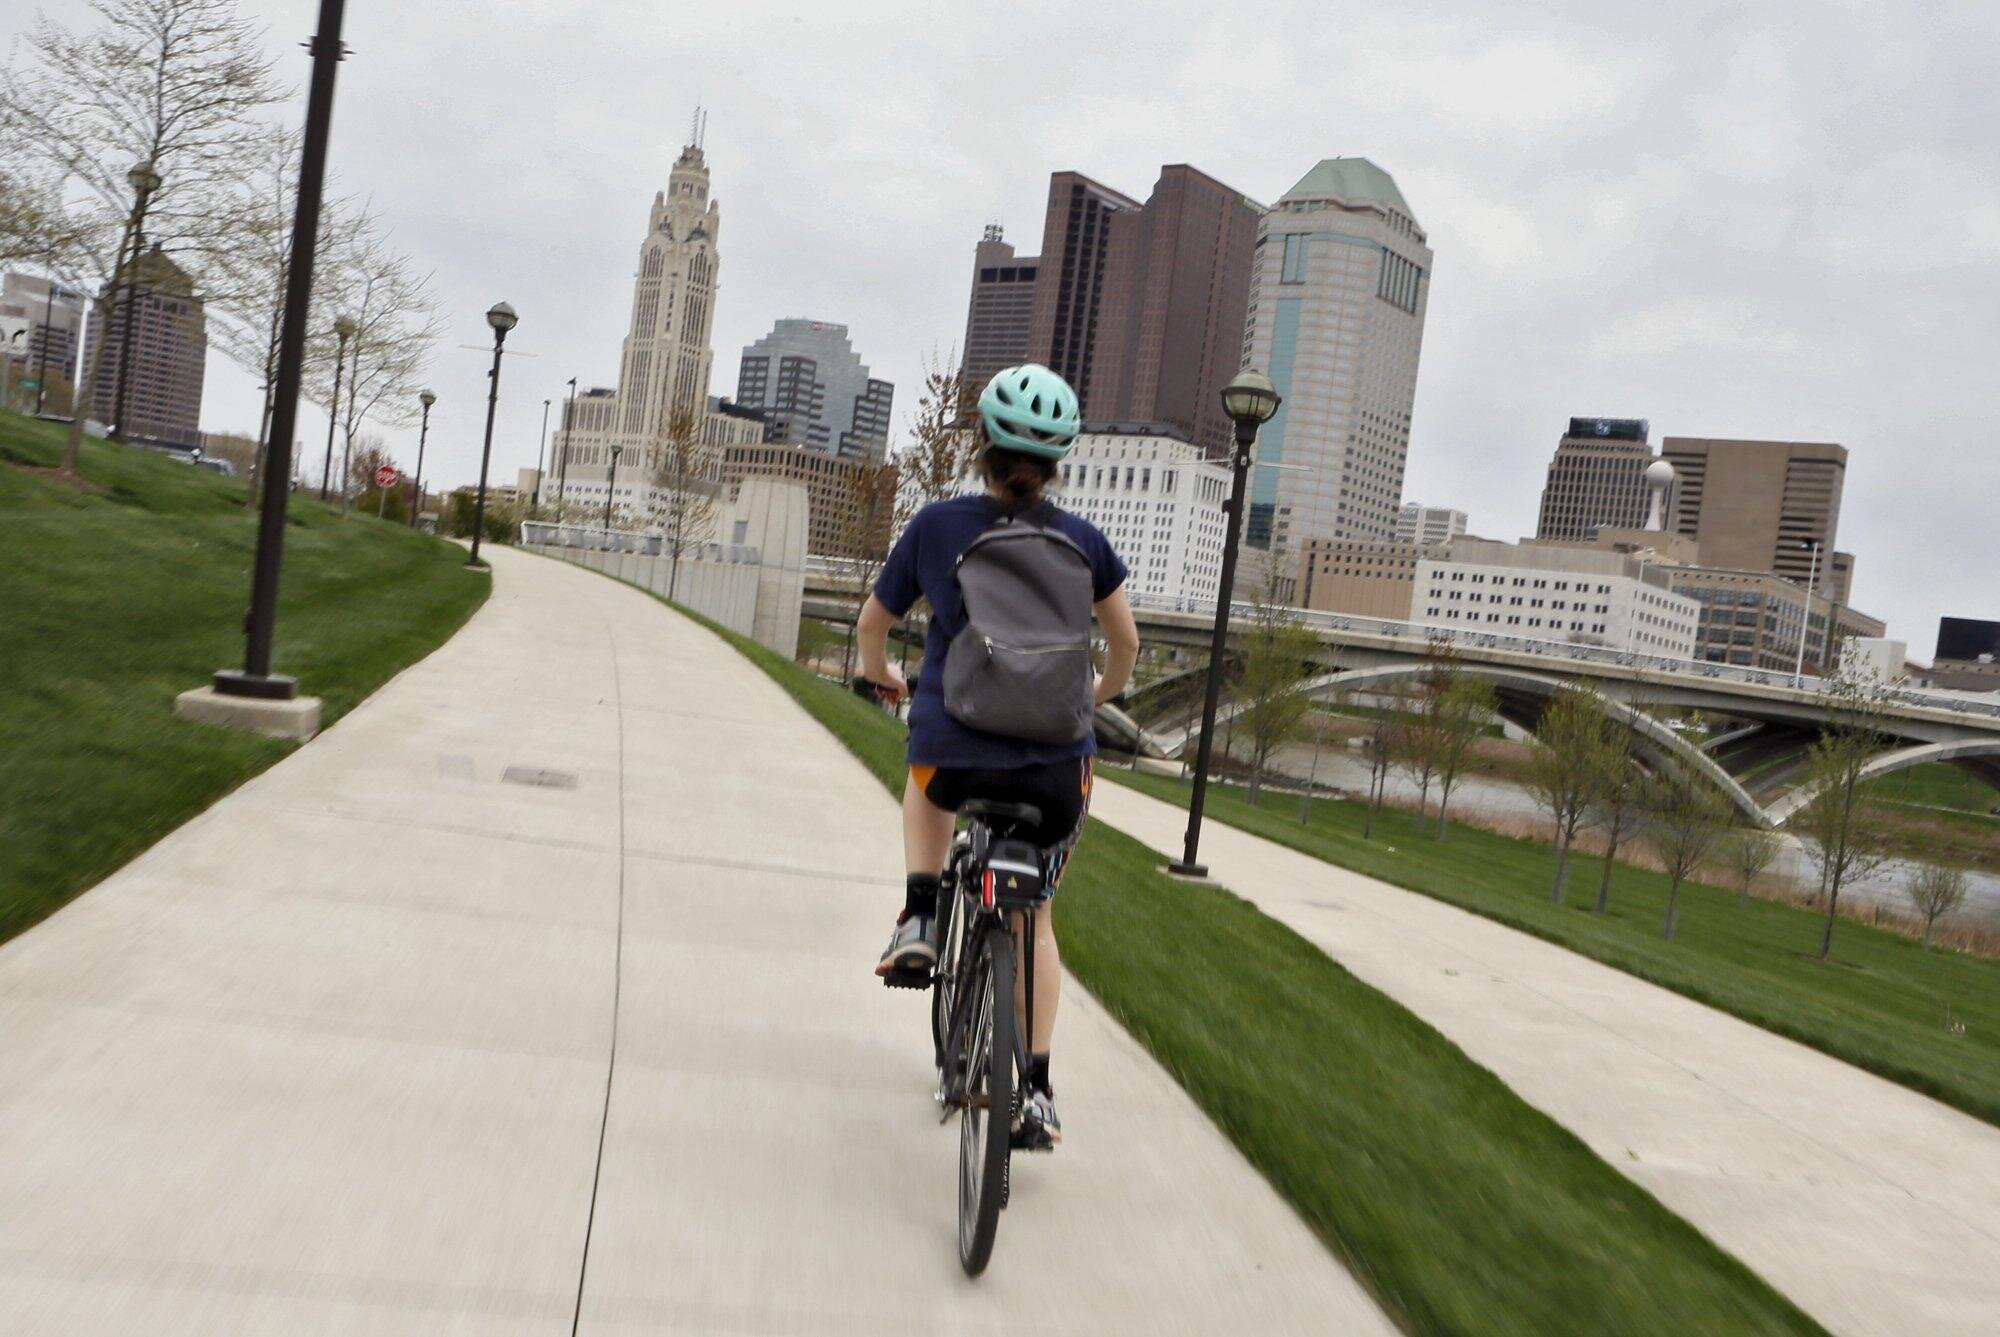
{"type": "Point", "coordinates": [113, 601]}
{"type": "Point", "coordinates": [1938, 785]}
{"type": "Point", "coordinates": [1882, 1003]}
{"type": "Point", "coordinates": [1461, 1208]}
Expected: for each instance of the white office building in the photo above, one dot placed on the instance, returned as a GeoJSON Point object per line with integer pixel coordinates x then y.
{"type": "Point", "coordinates": [1428, 526]}
{"type": "Point", "coordinates": [1337, 299]}
{"type": "Point", "coordinates": [1158, 501]}
{"type": "Point", "coordinates": [1587, 596]}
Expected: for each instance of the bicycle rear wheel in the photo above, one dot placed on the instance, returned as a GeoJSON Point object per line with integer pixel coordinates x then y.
{"type": "Point", "coordinates": [943, 993]}
{"type": "Point", "coordinates": [985, 1125]}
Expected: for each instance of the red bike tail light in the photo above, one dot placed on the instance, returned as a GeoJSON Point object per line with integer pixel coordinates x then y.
{"type": "Point", "coordinates": [986, 889]}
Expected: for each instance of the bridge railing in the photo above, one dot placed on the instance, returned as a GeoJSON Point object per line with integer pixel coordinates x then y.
{"type": "Point", "coordinates": [1423, 633]}
{"type": "Point", "coordinates": [595, 538]}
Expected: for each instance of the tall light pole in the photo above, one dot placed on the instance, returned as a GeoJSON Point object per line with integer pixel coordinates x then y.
{"type": "Point", "coordinates": [1805, 620]}
{"type": "Point", "coordinates": [562, 471]}
{"type": "Point", "coordinates": [611, 486]}
{"type": "Point", "coordinates": [42, 365]}
{"type": "Point", "coordinates": [343, 330]}
{"type": "Point", "coordinates": [502, 319]}
{"type": "Point", "coordinates": [1249, 400]}
{"type": "Point", "coordinates": [426, 398]}
{"type": "Point", "coordinates": [535, 496]}
{"type": "Point", "coordinates": [256, 679]}
{"type": "Point", "coordinates": [144, 182]}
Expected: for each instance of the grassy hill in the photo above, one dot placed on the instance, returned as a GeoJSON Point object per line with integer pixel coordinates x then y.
{"type": "Point", "coordinates": [118, 595]}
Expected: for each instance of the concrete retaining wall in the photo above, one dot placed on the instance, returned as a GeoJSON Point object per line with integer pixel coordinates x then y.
{"type": "Point", "coordinates": [724, 592]}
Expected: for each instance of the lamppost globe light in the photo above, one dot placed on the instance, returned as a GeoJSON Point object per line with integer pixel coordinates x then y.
{"type": "Point", "coordinates": [502, 317]}
{"type": "Point", "coordinates": [344, 328]}
{"type": "Point", "coordinates": [1251, 398]}
{"type": "Point", "coordinates": [426, 398]}
{"type": "Point", "coordinates": [143, 178]}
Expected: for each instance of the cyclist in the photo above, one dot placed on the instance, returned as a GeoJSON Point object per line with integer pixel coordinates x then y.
{"type": "Point", "coordinates": [1029, 417]}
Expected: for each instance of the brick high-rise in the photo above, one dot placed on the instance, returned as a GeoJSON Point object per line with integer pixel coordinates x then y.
{"type": "Point", "coordinates": [1139, 306]}
{"type": "Point", "coordinates": [1597, 479]}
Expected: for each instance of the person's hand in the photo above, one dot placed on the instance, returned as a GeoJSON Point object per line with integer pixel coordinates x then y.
{"type": "Point", "coordinates": [890, 688]}
{"type": "Point", "coordinates": [1097, 697]}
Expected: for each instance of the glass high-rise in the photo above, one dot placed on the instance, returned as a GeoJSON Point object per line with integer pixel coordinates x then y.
{"type": "Point", "coordinates": [808, 382]}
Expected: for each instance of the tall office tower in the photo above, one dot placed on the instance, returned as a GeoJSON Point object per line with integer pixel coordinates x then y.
{"type": "Point", "coordinates": [1339, 289]}
{"type": "Point", "coordinates": [665, 365]}
{"type": "Point", "coordinates": [1763, 506]}
{"type": "Point", "coordinates": [1428, 526]}
{"type": "Point", "coordinates": [168, 339]}
{"type": "Point", "coordinates": [1140, 307]}
{"type": "Point", "coordinates": [806, 379]}
{"type": "Point", "coordinates": [1597, 479]}
{"type": "Point", "coordinates": [50, 320]}
{"type": "Point", "coordinates": [1002, 312]}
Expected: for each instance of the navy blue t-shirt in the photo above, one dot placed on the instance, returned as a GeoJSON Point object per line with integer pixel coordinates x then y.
{"type": "Point", "coordinates": [923, 563]}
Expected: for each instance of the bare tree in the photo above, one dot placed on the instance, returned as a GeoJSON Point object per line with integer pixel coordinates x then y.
{"type": "Point", "coordinates": [687, 481]}
{"type": "Point", "coordinates": [863, 527]}
{"type": "Point", "coordinates": [1559, 770]}
{"type": "Point", "coordinates": [1421, 738]}
{"type": "Point", "coordinates": [931, 465]}
{"type": "Point", "coordinates": [1748, 854]}
{"type": "Point", "coordinates": [1277, 662]}
{"type": "Point", "coordinates": [1385, 731]}
{"type": "Point", "coordinates": [1686, 820]}
{"type": "Point", "coordinates": [179, 84]}
{"type": "Point", "coordinates": [1615, 804]}
{"type": "Point", "coordinates": [1464, 709]}
{"type": "Point", "coordinates": [1936, 890]}
{"type": "Point", "coordinates": [1845, 834]}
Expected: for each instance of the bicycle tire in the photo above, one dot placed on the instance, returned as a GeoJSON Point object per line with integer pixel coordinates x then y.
{"type": "Point", "coordinates": [945, 981]}
{"type": "Point", "coordinates": [984, 1129]}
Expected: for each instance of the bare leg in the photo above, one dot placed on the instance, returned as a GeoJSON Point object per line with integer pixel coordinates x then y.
{"type": "Point", "coordinates": [926, 831]}
{"type": "Point", "coordinates": [1048, 981]}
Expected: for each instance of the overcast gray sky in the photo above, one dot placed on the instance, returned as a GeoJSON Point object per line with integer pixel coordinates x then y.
{"type": "Point", "coordinates": [1774, 220]}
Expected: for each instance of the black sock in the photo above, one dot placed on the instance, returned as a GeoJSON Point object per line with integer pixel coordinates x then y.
{"type": "Point", "coordinates": [1038, 1072]}
{"type": "Point", "coordinates": [920, 893]}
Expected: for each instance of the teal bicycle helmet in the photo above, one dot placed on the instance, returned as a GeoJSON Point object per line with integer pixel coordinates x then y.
{"type": "Point", "coordinates": [1030, 408]}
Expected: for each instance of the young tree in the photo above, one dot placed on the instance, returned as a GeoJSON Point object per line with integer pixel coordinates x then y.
{"type": "Point", "coordinates": [944, 438]}
{"type": "Point", "coordinates": [396, 323]}
{"type": "Point", "coordinates": [1464, 709]}
{"type": "Point", "coordinates": [1685, 820]}
{"type": "Point", "coordinates": [1559, 769]}
{"type": "Point", "coordinates": [864, 527]}
{"type": "Point", "coordinates": [1385, 732]}
{"type": "Point", "coordinates": [1936, 890]}
{"type": "Point", "coordinates": [1419, 739]}
{"type": "Point", "coordinates": [1844, 833]}
{"type": "Point", "coordinates": [1615, 804]}
{"type": "Point", "coordinates": [1277, 662]}
{"type": "Point", "coordinates": [1748, 852]}
{"type": "Point", "coordinates": [687, 482]}
{"type": "Point", "coordinates": [178, 84]}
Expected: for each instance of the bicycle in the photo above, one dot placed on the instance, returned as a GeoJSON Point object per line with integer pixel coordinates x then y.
{"type": "Point", "coordinates": [991, 882]}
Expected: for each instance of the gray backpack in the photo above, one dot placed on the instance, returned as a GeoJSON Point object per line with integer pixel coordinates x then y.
{"type": "Point", "coordinates": [1021, 667]}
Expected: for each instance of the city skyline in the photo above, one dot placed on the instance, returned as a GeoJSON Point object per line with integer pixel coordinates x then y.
{"type": "Point", "coordinates": [1609, 243]}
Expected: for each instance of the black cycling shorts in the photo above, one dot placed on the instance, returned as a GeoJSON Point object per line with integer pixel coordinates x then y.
{"type": "Point", "coordinates": [1061, 789]}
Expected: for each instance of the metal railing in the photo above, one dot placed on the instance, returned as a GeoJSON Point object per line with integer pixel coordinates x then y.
{"type": "Point", "coordinates": [1571, 652]}
{"type": "Point", "coordinates": [596, 538]}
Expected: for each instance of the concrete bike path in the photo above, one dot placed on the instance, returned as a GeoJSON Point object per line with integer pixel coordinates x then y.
{"type": "Point", "coordinates": [333, 1058]}
{"type": "Point", "coordinates": [1873, 1208]}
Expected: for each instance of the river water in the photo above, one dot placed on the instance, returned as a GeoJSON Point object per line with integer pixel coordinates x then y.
{"type": "Point", "coordinates": [1341, 768]}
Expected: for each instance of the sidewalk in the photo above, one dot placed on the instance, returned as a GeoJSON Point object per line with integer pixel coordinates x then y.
{"type": "Point", "coordinates": [1873, 1208]}
{"type": "Point", "coordinates": [333, 1058]}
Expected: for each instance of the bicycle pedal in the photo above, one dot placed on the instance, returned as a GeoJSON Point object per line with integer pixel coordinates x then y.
{"type": "Point", "coordinates": [907, 979]}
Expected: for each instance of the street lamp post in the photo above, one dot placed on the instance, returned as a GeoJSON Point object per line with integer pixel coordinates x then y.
{"type": "Point", "coordinates": [256, 679]}
{"type": "Point", "coordinates": [535, 497]}
{"type": "Point", "coordinates": [1805, 619]}
{"type": "Point", "coordinates": [611, 486]}
{"type": "Point", "coordinates": [1249, 400]}
{"type": "Point", "coordinates": [144, 182]}
{"type": "Point", "coordinates": [42, 364]}
{"type": "Point", "coordinates": [502, 319]}
{"type": "Point", "coordinates": [562, 470]}
{"type": "Point", "coordinates": [343, 330]}
{"type": "Point", "coordinates": [423, 434]}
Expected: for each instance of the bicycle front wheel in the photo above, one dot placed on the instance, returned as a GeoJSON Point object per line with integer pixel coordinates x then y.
{"type": "Point", "coordinates": [986, 1126]}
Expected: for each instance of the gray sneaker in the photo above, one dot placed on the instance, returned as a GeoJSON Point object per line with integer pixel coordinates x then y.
{"type": "Point", "coordinates": [911, 956]}
{"type": "Point", "coordinates": [1037, 1129]}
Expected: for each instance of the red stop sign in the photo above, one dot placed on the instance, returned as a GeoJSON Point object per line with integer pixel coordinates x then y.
{"type": "Point", "coordinates": [386, 476]}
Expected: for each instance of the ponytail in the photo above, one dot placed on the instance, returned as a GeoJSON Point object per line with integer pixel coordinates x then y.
{"type": "Point", "coordinates": [1017, 478]}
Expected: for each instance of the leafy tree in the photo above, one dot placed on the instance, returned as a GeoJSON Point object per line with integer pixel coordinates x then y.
{"type": "Point", "coordinates": [1615, 804]}
{"type": "Point", "coordinates": [1385, 733]}
{"type": "Point", "coordinates": [1559, 770]}
{"type": "Point", "coordinates": [1277, 652]}
{"type": "Point", "coordinates": [944, 438]}
{"type": "Point", "coordinates": [1748, 852]}
{"type": "Point", "coordinates": [1464, 708]}
{"type": "Point", "coordinates": [1845, 835]}
{"type": "Point", "coordinates": [1686, 820]}
{"type": "Point", "coordinates": [1936, 890]}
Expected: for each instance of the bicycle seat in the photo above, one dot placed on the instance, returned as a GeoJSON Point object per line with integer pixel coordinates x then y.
{"type": "Point", "coordinates": [1027, 814]}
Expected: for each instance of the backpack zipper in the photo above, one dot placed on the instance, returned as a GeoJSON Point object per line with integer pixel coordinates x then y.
{"type": "Point", "coordinates": [992, 645]}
